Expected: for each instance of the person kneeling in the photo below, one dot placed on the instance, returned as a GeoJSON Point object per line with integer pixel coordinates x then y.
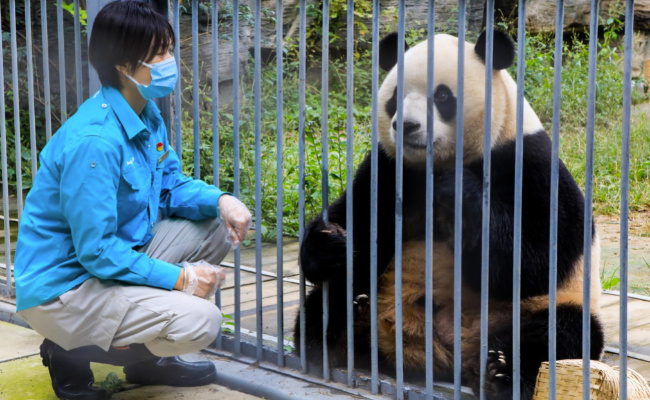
{"type": "Point", "coordinates": [116, 250]}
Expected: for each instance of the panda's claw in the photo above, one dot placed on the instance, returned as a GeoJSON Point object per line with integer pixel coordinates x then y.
{"type": "Point", "coordinates": [361, 304]}
{"type": "Point", "coordinates": [497, 378]}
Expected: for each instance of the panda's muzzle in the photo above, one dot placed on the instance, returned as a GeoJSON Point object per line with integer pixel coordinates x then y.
{"type": "Point", "coordinates": [410, 127]}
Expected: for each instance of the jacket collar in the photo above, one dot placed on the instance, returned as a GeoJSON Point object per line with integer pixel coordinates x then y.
{"type": "Point", "coordinates": [131, 122]}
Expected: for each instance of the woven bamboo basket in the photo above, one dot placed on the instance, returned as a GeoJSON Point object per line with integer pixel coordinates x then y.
{"type": "Point", "coordinates": [604, 382]}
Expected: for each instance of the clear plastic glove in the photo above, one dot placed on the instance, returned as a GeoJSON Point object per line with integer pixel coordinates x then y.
{"type": "Point", "coordinates": [236, 218]}
{"type": "Point", "coordinates": [202, 279]}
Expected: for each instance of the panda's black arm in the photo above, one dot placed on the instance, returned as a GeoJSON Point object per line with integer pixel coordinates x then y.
{"type": "Point", "coordinates": [535, 220]}
{"type": "Point", "coordinates": [323, 251]}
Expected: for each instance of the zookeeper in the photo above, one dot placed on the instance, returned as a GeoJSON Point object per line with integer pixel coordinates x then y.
{"type": "Point", "coordinates": [117, 249]}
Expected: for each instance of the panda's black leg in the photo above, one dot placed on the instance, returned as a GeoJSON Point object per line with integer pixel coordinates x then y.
{"type": "Point", "coordinates": [534, 345]}
{"type": "Point", "coordinates": [336, 328]}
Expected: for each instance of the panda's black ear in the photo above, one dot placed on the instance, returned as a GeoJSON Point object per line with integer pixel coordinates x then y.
{"type": "Point", "coordinates": [388, 51]}
{"type": "Point", "coordinates": [504, 49]}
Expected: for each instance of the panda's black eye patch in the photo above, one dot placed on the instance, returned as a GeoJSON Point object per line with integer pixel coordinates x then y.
{"type": "Point", "coordinates": [391, 104]}
{"type": "Point", "coordinates": [445, 102]}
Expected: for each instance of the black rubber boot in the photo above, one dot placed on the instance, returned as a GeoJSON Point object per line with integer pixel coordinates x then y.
{"type": "Point", "coordinates": [171, 371]}
{"type": "Point", "coordinates": [72, 378]}
{"type": "Point", "coordinates": [144, 368]}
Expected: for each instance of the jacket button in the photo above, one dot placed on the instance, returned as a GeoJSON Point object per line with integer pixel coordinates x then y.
{"type": "Point", "coordinates": [104, 105]}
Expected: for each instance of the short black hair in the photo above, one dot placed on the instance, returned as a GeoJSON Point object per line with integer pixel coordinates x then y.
{"type": "Point", "coordinates": [125, 33]}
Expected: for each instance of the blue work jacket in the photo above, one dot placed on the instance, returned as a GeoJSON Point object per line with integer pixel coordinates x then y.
{"type": "Point", "coordinates": [102, 180]}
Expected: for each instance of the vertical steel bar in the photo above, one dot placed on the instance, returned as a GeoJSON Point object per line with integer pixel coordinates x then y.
{"type": "Point", "coordinates": [258, 181]}
{"type": "Point", "coordinates": [279, 112]}
{"type": "Point", "coordinates": [429, 203]}
{"type": "Point", "coordinates": [77, 54]}
{"type": "Point", "coordinates": [349, 191]}
{"type": "Point", "coordinates": [215, 114]}
{"type": "Point", "coordinates": [46, 71]}
{"type": "Point", "coordinates": [458, 207]}
{"type": "Point", "coordinates": [487, 161]}
{"type": "Point", "coordinates": [8, 287]}
{"type": "Point", "coordinates": [61, 66]}
{"type": "Point", "coordinates": [301, 173]}
{"type": "Point", "coordinates": [519, 166]}
{"type": "Point", "coordinates": [215, 91]}
{"type": "Point", "coordinates": [236, 172]}
{"type": "Point", "coordinates": [588, 217]}
{"type": "Point", "coordinates": [196, 98]}
{"type": "Point", "coordinates": [177, 91]}
{"type": "Point", "coordinates": [374, 154]}
{"type": "Point", "coordinates": [555, 159]}
{"type": "Point", "coordinates": [399, 197]}
{"type": "Point", "coordinates": [30, 86]}
{"type": "Point", "coordinates": [16, 96]}
{"type": "Point", "coordinates": [325, 168]}
{"type": "Point", "coordinates": [625, 187]}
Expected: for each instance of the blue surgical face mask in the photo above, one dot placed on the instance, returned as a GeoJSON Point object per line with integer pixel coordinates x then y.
{"type": "Point", "coordinates": [164, 75]}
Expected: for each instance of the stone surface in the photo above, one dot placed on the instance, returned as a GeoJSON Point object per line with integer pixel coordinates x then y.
{"type": "Point", "coordinates": [540, 14]}
{"type": "Point", "coordinates": [23, 376]}
{"type": "Point", "coordinates": [18, 342]}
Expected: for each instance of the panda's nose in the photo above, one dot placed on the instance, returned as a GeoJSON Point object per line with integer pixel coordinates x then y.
{"type": "Point", "coordinates": [409, 127]}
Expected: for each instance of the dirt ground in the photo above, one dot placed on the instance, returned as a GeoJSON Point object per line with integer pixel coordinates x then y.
{"type": "Point", "coordinates": [638, 250]}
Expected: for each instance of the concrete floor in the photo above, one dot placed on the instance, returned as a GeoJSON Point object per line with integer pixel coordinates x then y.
{"type": "Point", "coordinates": [23, 377]}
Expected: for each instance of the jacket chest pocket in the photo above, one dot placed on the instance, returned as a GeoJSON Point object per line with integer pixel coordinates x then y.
{"type": "Point", "coordinates": [134, 189]}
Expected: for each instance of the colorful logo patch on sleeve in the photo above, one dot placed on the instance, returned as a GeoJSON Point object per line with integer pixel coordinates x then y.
{"type": "Point", "coordinates": [159, 146]}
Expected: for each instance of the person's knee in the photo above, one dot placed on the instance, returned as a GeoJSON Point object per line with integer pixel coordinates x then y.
{"type": "Point", "coordinates": [205, 319]}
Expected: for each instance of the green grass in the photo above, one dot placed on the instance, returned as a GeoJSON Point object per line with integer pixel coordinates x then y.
{"type": "Point", "coordinates": [607, 165]}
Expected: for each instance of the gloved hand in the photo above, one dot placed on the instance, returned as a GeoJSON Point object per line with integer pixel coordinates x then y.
{"type": "Point", "coordinates": [236, 218]}
{"type": "Point", "coordinates": [202, 279]}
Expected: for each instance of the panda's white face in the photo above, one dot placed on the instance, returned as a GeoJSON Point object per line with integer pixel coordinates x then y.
{"type": "Point", "coordinates": [445, 103]}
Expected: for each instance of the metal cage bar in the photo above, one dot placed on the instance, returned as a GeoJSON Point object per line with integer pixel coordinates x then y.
{"type": "Point", "coordinates": [519, 163]}
{"type": "Point", "coordinates": [46, 72]}
{"type": "Point", "coordinates": [301, 172]}
{"type": "Point", "coordinates": [30, 87]}
{"type": "Point", "coordinates": [7, 287]}
{"type": "Point", "coordinates": [16, 97]}
{"type": "Point", "coordinates": [279, 111]}
{"type": "Point", "coordinates": [77, 54]}
{"type": "Point", "coordinates": [555, 157]}
{"type": "Point", "coordinates": [588, 217]}
{"type": "Point", "coordinates": [325, 169]}
{"type": "Point", "coordinates": [214, 13]}
{"type": "Point", "coordinates": [399, 198]}
{"type": "Point", "coordinates": [236, 171]}
{"type": "Point", "coordinates": [458, 206]}
{"type": "Point", "coordinates": [625, 187]}
{"type": "Point", "coordinates": [177, 91]}
{"type": "Point", "coordinates": [61, 42]}
{"type": "Point", "coordinates": [428, 306]}
{"type": "Point", "coordinates": [349, 188]}
{"type": "Point", "coordinates": [487, 161]}
{"type": "Point", "coordinates": [196, 97]}
{"type": "Point", "coordinates": [374, 181]}
{"type": "Point", "coordinates": [258, 180]}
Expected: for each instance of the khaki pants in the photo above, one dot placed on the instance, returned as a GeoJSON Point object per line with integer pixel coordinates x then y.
{"type": "Point", "coordinates": [105, 312]}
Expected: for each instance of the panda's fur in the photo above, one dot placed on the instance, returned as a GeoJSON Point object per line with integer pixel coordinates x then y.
{"type": "Point", "coordinates": [323, 251]}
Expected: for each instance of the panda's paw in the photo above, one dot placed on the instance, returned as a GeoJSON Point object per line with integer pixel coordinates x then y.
{"type": "Point", "coordinates": [322, 254]}
{"type": "Point", "coordinates": [497, 375]}
{"type": "Point", "coordinates": [361, 305]}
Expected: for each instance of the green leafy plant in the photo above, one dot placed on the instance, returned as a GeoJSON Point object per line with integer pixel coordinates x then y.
{"type": "Point", "coordinates": [609, 282]}
{"type": "Point", "coordinates": [111, 384]}
{"type": "Point", "coordinates": [83, 16]}
{"type": "Point", "coordinates": [227, 323]}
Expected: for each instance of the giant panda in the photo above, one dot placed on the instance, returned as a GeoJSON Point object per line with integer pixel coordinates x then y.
{"type": "Point", "coordinates": [323, 250]}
